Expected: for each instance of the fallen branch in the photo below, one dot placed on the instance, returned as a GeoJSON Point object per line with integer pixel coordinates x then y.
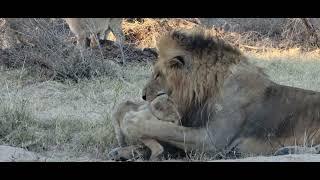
{"type": "Point", "coordinates": [253, 47]}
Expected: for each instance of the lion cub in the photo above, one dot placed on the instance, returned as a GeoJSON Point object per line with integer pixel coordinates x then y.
{"type": "Point", "coordinates": [162, 107]}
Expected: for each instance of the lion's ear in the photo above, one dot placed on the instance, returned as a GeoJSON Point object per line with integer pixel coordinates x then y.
{"type": "Point", "coordinates": [177, 62]}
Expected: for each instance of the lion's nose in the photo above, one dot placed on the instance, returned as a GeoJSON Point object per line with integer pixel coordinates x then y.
{"type": "Point", "coordinates": [144, 95]}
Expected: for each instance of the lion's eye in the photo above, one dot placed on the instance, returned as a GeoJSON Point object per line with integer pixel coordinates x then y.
{"type": "Point", "coordinates": [180, 58]}
{"type": "Point", "coordinates": [177, 62]}
{"type": "Point", "coordinates": [157, 76]}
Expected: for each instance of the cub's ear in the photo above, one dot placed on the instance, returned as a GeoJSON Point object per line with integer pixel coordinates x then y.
{"type": "Point", "coordinates": [177, 62]}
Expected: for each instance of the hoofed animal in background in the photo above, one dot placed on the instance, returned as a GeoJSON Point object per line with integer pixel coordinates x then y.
{"type": "Point", "coordinates": [88, 31]}
{"type": "Point", "coordinates": [225, 101]}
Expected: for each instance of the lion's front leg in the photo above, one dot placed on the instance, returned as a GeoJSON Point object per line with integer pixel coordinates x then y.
{"type": "Point", "coordinates": [139, 126]}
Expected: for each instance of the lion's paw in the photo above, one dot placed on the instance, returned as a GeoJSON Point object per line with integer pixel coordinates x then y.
{"type": "Point", "coordinates": [128, 153]}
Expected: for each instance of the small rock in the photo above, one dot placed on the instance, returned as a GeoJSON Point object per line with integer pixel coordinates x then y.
{"type": "Point", "coordinates": [11, 154]}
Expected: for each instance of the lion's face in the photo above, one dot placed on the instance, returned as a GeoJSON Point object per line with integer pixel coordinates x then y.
{"type": "Point", "coordinates": [178, 72]}
{"type": "Point", "coordinates": [157, 84]}
{"type": "Point", "coordinates": [155, 87]}
{"type": "Point", "coordinates": [190, 68]}
{"type": "Point", "coordinates": [170, 73]}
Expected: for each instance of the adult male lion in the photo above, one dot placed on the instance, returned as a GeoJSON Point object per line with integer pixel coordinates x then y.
{"type": "Point", "coordinates": [225, 102]}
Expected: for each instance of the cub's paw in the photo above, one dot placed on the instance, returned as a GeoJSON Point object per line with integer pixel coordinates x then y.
{"type": "Point", "coordinates": [128, 153]}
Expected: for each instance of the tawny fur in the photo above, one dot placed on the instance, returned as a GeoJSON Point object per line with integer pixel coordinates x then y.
{"type": "Point", "coordinates": [161, 108]}
{"type": "Point", "coordinates": [225, 101]}
{"type": "Point", "coordinates": [84, 28]}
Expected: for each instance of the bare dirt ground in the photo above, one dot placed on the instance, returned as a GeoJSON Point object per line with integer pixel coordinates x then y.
{"type": "Point", "coordinates": [44, 118]}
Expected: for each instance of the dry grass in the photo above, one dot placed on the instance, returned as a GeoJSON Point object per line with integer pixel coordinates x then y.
{"type": "Point", "coordinates": [64, 121]}
{"type": "Point", "coordinates": [69, 119]}
{"type": "Point", "coordinates": [291, 67]}
{"type": "Point", "coordinates": [283, 33]}
{"type": "Point", "coordinates": [146, 34]}
{"type": "Point", "coordinates": [47, 51]}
